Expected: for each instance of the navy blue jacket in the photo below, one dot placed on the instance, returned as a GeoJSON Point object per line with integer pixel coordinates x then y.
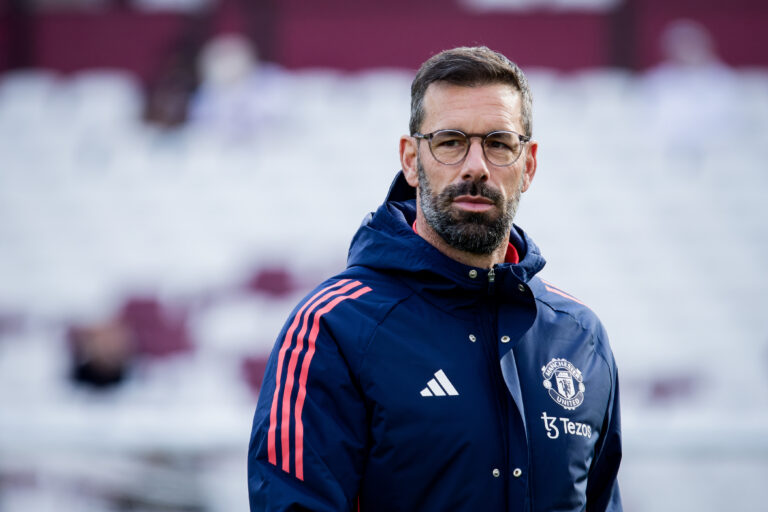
{"type": "Point", "coordinates": [413, 382]}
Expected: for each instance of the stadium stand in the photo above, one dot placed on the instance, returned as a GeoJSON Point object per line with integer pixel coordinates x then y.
{"type": "Point", "coordinates": [97, 207]}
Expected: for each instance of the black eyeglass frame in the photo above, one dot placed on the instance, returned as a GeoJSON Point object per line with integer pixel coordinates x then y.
{"type": "Point", "coordinates": [524, 139]}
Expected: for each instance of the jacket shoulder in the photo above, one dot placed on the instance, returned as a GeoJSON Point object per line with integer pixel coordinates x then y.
{"type": "Point", "coordinates": [558, 299]}
{"type": "Point", "coordinates": [561, 302]}
{"type": "Point", "coordinates": [385, 289]}
{"type": "Point", "coordinates": [352, 304]}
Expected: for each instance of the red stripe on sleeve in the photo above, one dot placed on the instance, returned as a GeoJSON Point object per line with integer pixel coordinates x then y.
{"type": "Point", "coordinates": [304, 372]}
{"type": "Point", "coordinates": [285, 426]}
{"type": "Point", "coordinates": [551, 288]}
{"type": "Point", "coordinates": [271, 450]}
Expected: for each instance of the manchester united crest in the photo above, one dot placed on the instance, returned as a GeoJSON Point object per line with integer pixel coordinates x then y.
{"type": "Point", "coordinates": [564, 383]}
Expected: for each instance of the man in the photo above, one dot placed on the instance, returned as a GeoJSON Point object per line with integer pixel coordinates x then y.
{"type": "Point", "coordinates": [437, 373]}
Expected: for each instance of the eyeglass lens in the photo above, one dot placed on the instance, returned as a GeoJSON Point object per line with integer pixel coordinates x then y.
{"type": "Point", "coordinates": [450, 147]}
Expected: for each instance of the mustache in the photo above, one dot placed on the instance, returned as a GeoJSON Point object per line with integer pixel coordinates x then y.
{"type": "Point", "coordinates": [471, 188]}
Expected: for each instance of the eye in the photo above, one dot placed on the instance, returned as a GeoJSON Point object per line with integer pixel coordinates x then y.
{"type": "Point", "coordinates": [502, 142]}
{"type": "Point", "coordinates": [449, 140]}
{"type": "Point", "coordinates": [497, 144]}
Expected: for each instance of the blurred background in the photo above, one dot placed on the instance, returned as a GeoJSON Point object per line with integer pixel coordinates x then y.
{"type": "Point", "coordinates": [176, 174]}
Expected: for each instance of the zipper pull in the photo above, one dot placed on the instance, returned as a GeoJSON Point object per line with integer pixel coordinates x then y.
{"type": "Point", "coordinates": [491, 281]}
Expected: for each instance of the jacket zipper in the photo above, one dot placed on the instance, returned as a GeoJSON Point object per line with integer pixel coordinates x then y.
{"type": "Point", "coordinates": [491, 281]}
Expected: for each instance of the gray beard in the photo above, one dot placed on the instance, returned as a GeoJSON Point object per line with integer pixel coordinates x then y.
{"type": "Point", "coordinates": [473, 232]}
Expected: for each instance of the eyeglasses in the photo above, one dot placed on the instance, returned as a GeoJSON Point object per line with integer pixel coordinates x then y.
{"type": "Point", "coordinates": [450, 147]}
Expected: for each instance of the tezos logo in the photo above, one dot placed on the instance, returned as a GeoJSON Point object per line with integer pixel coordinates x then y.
{"type": "Point", "coordinates": [564, 390]}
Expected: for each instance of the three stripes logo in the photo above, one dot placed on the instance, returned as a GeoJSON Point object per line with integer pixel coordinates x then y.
{"type": "Point", "coordinates": [439, 386]}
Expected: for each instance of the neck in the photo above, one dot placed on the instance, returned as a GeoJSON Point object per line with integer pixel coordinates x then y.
{"type": "Point", "coordinates": [426, 232]}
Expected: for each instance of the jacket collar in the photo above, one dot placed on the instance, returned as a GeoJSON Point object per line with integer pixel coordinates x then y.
{"type": "Point", "coordinates": [386, 241]}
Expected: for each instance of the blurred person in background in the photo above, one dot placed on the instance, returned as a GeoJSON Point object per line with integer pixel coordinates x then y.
{"type": "Point", "coordinates": [170, 92]}
{"type": "Point", "coordinates": [437, 372]}
{"type": "Point", "coordinates": [102, 354]}
{"type": "Point", "coordinates": [690, 93]}
{"type": "Point", "coordinates": [238, 94]}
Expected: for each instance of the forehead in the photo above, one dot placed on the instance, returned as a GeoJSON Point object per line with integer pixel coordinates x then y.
{"type": "Point", "coordinates": [476, 109]}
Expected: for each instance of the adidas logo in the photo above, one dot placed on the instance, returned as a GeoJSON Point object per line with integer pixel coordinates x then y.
{"type": "Point", "coordinates": [439, 386]}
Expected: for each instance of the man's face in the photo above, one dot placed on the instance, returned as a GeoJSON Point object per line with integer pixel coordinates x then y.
{"type": "Point", "coordinates": [470, 205]}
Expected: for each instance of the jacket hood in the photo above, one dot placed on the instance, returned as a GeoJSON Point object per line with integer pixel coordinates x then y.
{"type": "Point", "coordinates": [387, 242]}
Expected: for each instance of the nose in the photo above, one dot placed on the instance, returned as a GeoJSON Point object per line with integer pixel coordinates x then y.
{"type": "Point", "coordinates": [475, 167]}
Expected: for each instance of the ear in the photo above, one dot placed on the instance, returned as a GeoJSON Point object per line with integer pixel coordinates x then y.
{"type": "Point", "coordinates": [530, 164]}
{"type": "Point", "coordinates": [408, 156]}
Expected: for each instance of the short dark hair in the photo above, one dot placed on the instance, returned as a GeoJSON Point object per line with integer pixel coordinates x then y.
{"type": "Point", "coordinates": [469, 67]}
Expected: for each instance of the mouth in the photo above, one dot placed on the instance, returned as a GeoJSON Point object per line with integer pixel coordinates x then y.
{"type": "Point", "coordinates": [473, 203]}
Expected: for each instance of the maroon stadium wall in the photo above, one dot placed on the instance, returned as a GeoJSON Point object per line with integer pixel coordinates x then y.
{"type": "Point", "coordinates": [362, 34]}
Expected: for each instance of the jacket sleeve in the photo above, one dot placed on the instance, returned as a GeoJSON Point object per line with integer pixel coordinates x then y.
{"type": "Point", "coordinates": [603, 486]}
{"type": "Point", "coordinates": [309, 430]}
